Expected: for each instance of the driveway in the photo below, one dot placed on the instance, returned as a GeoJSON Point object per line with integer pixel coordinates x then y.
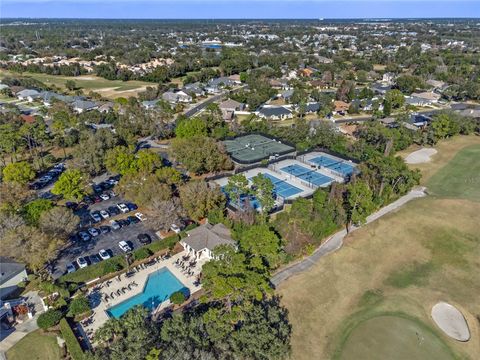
{"type": "Point", "coordinates": [335, 242]}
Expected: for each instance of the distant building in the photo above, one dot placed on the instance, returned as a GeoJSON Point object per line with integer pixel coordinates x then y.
{"type": "Point", "coordinates": [275, 113]}
{"type": "Point", "coordinates": [341, 107]}
{"type": "Point", "coordinates": [228, 108]}
{"type": "Point", "coordinates": [27, 94]}
{"type": "Point", "coordinates": [11, 274]}
{"type": "Point", "coordinates": [83, 105]}
{"type": "Point", "coordinates": [176, 97]}
{"type": "Point", "coordinates": [202, 241]}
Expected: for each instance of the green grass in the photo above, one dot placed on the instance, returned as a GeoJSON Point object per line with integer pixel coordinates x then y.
{"type": "Point", "coordinates": [394, 337]}
{"type": "Point", "coordinates": [460, 178]}
{"type": "Point", "coordinates": [412, 274]}
{"type": "Point", "coordinates": [37, 345]}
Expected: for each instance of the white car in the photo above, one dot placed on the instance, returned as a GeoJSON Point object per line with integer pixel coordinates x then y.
{"type": "Point", "coordinates": [104, 214]}
{"type": "Point", "coordinates": [123, 208]}
{"type": "Point", "coordinates": [114, 225]}
{"type": "Point", "coordinates": [71, 268]}
{"type": "Point", "coordinates": [104, 196]}
{"type": "Point", "coordinates": [94, 232]}
{"type": "Point", "coordinates": [140, 216]}
{"type": "Point", "coordinates": [124, 246]}
{"type": "Point", "coordinates": [84, 236]}
{"type": "Point", "coordinates": [96, 217]}
{"type": "Point", "coordinates": [82, 263]}
{"type": "Point", "coordinates": [175, 229]}
{"type": "Point", "coordinates": [104, 254]}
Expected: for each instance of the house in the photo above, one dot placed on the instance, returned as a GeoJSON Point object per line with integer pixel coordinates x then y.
{"type": "Point", "coordinates": [83, 105]}
{"type": "Point", "coordinates": [305, 72]}
{"type": "Point", "coordinates": [287, 94]}
{"type": "Point", "coordinates": [27, 94]}
{"type": "Point", "coordinates": [235, 78]}
{"type": "Point", "coordinates": [48, 97]}
{"type": "Point", "coordinates": [312, 108]}
{"type": "Point", "coordinates": [194, 89]}
{"type": "Point", "coordinates": [340, 107]}
{"type": "Point", "coordinates": [176, 97]}
{"type": "Point", "coordinates": [380, 88]}
{"type": "Point", "coordinates": [214, 86]}
{"type": "Point", "coordinates": [319, 84]}
{"type": "Point", "coordinates": [11, 274]}
{"type": "Point", "coordinates": [29, 119]}
{"type": "Point", "coordinates": [436, 84]}
{"type": "Point", "coordinates": [228, 108]}
{"type": "Point", "coordinates": [388, 78]}
{"type": "Point", "coordinates": [149, 104]}
{"type": "Point", "coordinates": [202, 241]}
{"type": "Point", "coordinates": [275, 113]}
{"type": "Point", "coordinates": [105, 108]}
{"type": "Point", "coordinates": [429, 96]}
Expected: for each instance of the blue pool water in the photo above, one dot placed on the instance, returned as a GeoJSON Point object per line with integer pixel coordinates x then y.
{"type": "Point", "coordinates": [158, 288]}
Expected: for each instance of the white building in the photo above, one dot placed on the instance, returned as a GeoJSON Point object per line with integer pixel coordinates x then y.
{"type": "Point", "coordinates": [202, 240]}
{"type": "Point", "coordinates": [11, 274]}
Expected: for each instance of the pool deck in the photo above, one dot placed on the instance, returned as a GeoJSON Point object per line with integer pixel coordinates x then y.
{"type": "Point", "coordinates": [100, 306]}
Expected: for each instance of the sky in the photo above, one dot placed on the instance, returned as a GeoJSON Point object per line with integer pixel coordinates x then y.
{"type": "Point", "coordinates": [239, 9]}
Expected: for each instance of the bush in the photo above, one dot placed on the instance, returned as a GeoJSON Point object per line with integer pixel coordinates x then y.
{"type": "Point", "coordinates": [91, 272]}
{"type": "Point", "coordinates": [78, 306]}
{"type": "Point", "coordinates": [167, 243]}
{"type": "Point", "coordinates": [73, 347]}
{"type": "Point", "coordinates": [177, 298]}
{"type": "Point", "coordinates": [49, 319]}
{"type": "Point", "coordinates": [142, 253]}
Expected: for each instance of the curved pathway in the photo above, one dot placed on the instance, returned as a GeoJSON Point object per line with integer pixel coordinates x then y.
{"type": "Point", "coordinates": [335, 242]}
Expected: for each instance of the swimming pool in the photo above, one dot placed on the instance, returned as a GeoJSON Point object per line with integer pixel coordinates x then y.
{"type": "Point", "coordinates": [158, 288]}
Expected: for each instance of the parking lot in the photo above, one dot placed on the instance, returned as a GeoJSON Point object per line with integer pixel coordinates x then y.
{"type": "Point", "coordinates": [107, 241]}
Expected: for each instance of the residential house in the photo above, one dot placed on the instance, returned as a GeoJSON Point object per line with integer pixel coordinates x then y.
{"type": "Point", "coordinates": [312, 108]}
{"type": "Point", "coordinates": [307, 72]}
{"type": "Point", "coordinates": [11, 274]}
{"type": "Point", "coordinates": [287, 94]}
{"type": "Point", "coordinates": [380, 88]}
{"type": "Point", "coordinates": [228, 108]}
{"type": "Point", "coordinates": [428, 96]}
{"type": "Point", "coordinates": [436, 84]}
{"type": "Point", "coordinates": [27, 94]}
{"type": "Point", "coordinates": [29, 119]}
{"type": "Point", "coordinates": [48, 97]}
{"type": "Point", "coordinates": [319, 84]}
{"type": "Point", "coordinates": [275, 113]}
{"type": "Point", "coordinates": [202, 241]}
{"type": "Point", "coordinates": [106, 107]}
{"type": "Point", "coordinates": [235, 78]}
{"type": "Point", "coordinates": [176, 97]}
{"type": "Point", "coordinates": [341, 107]}
{"type": "Point", "coordinates": [83, 105]}
{"type": "Point", "coordinates": [388, 78]}
{"type": "Point", "coordinates": [194, 89]}
{"type": "Point", "coordinates": [214, 86]}
{"type": "Point", "coordinates": [149, 104]}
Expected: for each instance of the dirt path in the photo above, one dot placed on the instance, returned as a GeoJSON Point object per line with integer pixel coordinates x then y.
{"type": "Point", "coordinates": [335, 242]}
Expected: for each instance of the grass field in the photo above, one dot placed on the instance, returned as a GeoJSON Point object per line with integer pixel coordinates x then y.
{"type": "Point", "coordinates": [108, 88]}
{"type": "Point", "coordinates": [36, 346]}
{"type": "Point", "coordinates": [377, 292]}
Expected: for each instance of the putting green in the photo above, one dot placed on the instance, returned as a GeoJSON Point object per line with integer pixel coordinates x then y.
{"type": "Point", "coordinates": [391, 337]}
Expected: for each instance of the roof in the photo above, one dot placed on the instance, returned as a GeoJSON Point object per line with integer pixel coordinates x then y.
{"type": "Point", "coordinates": [229, 104]}
{"type": "Point", "coordinates": [9, 268]}
{"type": "Point", "coordinates": [312, 107]}
{"type": "Point", "coordinates": [27, 92]}
{"type": "Point", "coordinates": [28, 118]}
{"type": "Point", "coordinates": [427, 95]}
{"type": "Point", "coordinates": [84, 104]}
{"type": "Point", "coordinates": [274, 111]}
{"type": "Point", "coordinates": [208, 237]}
{"type": "Point", "coordinates": [287, 94]}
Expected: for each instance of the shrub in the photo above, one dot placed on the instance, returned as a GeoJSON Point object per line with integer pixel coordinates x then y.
{"type": "Point", "coordinates": [71, 341]}
{"type": "Point", "coordinates": [167, 243]}
{"type": "Point", "coordinates": [142, 253]}
{"type": "Point", "coordinates": [78, 306]}
{"type": "Point", "coordinates": [49, 319]}
{"type": "Point", "coordinates": [177, 297]}
{"type": "Point", "coordinates": [91, 272]}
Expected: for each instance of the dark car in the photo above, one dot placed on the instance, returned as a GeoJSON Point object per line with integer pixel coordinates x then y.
{"type": "Point", "coordinates": [104, 229]}
{"type": "Point", "coordinates": [88, 200]}
{"type": "Point", "coordinates": [94, 259]}
{"type": "Point", "coordinates": [96, 199]}
{"type": "Point", "coordinates": [97, 188]}
{"type": "Point", "coordinates": [113, 210]}
{"type": "Point", "coordinates": [132, 206]}
{"type": "Point", "coordinates": [144, 238]}
{"type": "Point", "coordinates": [123, 222]}
{"type": "Point", "coordinates": [71, 205]}
{"type": "Point", "coordinates": [133, 220]}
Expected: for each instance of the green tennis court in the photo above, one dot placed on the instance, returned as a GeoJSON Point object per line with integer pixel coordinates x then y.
{"type": "Point", "coordinates": [252, 148]}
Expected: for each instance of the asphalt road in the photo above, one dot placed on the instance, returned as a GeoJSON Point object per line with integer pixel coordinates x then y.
{"type": "Point", "coordinates": [108, 241]}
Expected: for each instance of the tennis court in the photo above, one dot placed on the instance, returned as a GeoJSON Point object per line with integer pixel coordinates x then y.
{"type": "Point", "coordinates": [308, 175]}
{"type": "Point", "coordinates": [333, 164]}
{"type": "Point", "coordinates": [282, 188]}
{"type": "Point", "coordinates": [252, 148]}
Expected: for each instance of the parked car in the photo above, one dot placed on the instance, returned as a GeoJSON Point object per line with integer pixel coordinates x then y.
{"type": "Point", "coordinates": [71, 205]}
{"type": "Point", "coordinates": [104, 255]}
{"type": "Point", "coordinates": [82, 262]}
{"type": "Point", "coordinates": [97, 188]}
{"type": "Point", "coordinates": [104, 196]}
{"type": "Point", "coordinates": [131, 206]}
{"type": "Point", "coordinates": [133, 220]}
{"type": "Point", "coordinates": [113, 210]}
{"type": "Point", "coordinates": [94, 232]}
{"type": "Point", "coordinates": [124, 246]}
{"type": "Point", "coordinates": [96, 199]}
{"type": "Point", "coordinates": [123, 222]}
{"type": "Point", "coordinates": [104, 214]}
{"type": "Point", "coordinates": [111, 193]}
{"type": "Point", "coordinates": [88, 200]}
{"type": "Point", "coordinates": [84, 236]}
{"type": "Point", "coordinates": [176, 229]}
{"type": "Point", "coordinates": [95, 259]}
{"type": "Point", "coordinates": [104, 229]}
{"type": "Point", "coordinates": [144, 238]}
{"type": "Point", "coordinates": [123, 208]}
{"type": "Point", "coordinates": [114, 225]}
{"type": "Point", "coordinates": [140, 216]}
{"type": "Point", "coordinates": [71, 268]}
{"type": "Point", "coordinates": [96, 216]}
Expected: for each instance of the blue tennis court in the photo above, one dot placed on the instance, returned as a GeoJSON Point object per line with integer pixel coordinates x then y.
{"type": "Point", "coordinates": [282, 188]}
{"type": "Point", "coordinates": [333, 164]}
{"type": "Point", "coordinates": [306, 174]}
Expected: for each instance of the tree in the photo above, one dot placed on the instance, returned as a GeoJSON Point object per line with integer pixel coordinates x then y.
{"type": "Point", "coordinates": [198, 199]}
{"type": "Point", "coordinates": [164, 213]}
{"type": "Point", "coordinates": [359, 202]}
{"type": "Point", "coordinates": [13, 196]}
{"type": "Point", "coordinates": [262, 246]}
{"type": "Point", "coordinates": [143, 189]}
{"type": "Point", "coordinates": [58, 222]}
{"type": "Point", "coordinates": [120, 160]}
{"type": "Point", "coordinates": [395, 97]}
{"type": "Point", "coordinates": [189, 128]}
{"type": "Point", "coordinates": [49, 319]}
{"type": "Point", "coordinates": [72, 185]}
{"type": "Point", "coordinates": [177, 298]}
{"type": "Point", "coordinates": [237, 186]}
{"type": "Point", "coordinates": [147, 161]}
{"type": "Point", "coordinates": [387, 107]}
{"type": "Point", "coordinates": [200, 154]}
{"type": "Point", "coordinates": [19, 172]}
{"type": "Point", "coordinates": [169, 175]}
{"type": "Point", "coordinates": [34, 209]}
{"type": "Point", "coordinates": [264, 192]}
{"type": "Point", "coordinates": [78, 306]}
{"type": "Point", "coordinates": [70, 85]}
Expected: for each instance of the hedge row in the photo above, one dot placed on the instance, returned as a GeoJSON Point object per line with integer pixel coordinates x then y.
{"type": "Point", "coordinates": [167, 243]}
{"type": "Point", "coordinates": [94, 271]}
{"type": "Point", "coordinates": [73, 347]}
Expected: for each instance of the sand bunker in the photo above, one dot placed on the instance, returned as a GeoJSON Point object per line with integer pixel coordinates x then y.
{"type": "Point", "coordinates": [451, 321]}
{"type": "Point", "coordinates": [420, 156]}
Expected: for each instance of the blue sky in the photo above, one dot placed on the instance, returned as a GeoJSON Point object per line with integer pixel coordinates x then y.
{"type": "Point", "coordinates": [241, 9]}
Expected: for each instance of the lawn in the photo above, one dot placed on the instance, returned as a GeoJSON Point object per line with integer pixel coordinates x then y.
{"type": "Point", "coordinates": [397, 267]}
{"type": "Point", "coordinates": [36, 346]}
{"type": "Point", "coordinates": [108, 88]}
